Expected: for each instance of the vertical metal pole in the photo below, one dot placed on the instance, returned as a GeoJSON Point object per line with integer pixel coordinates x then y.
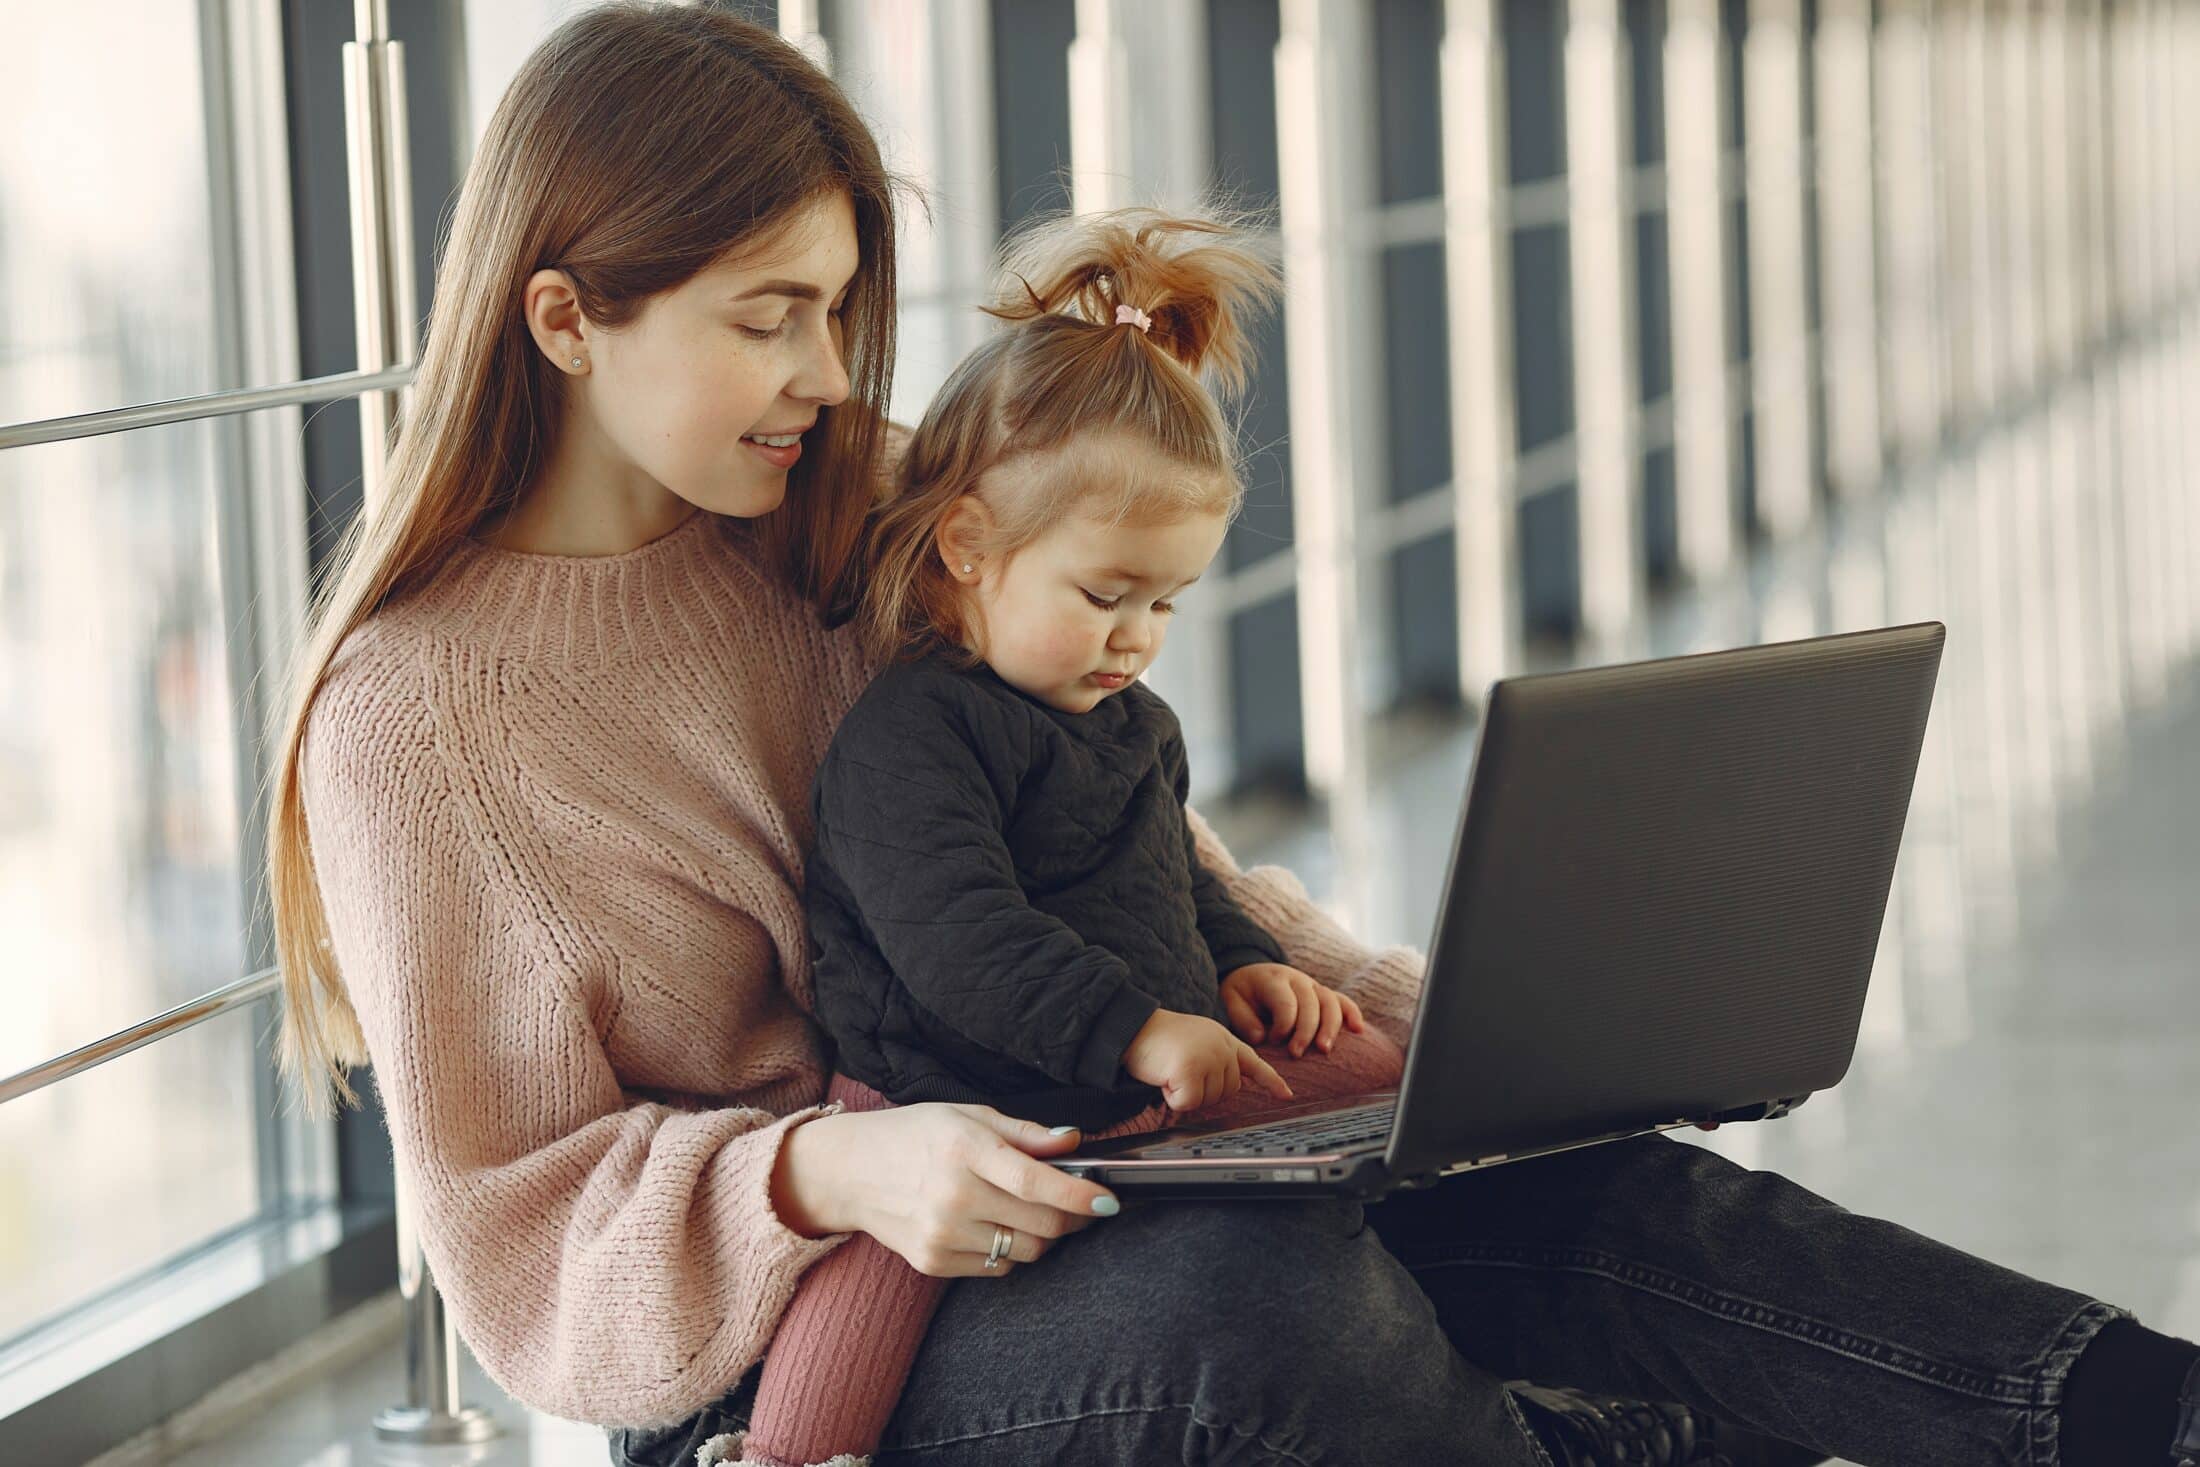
{"type": "Point", "coordinates": [382, 293]}
{"type": "Point", "coordinates": [2093, 238]}
{"type": "Point", "coordinates": [431, 1415]}
{"type": "Point", "coordinates": [2164, 198]}
{"type": "Point", "coordinates": [1773, 57]}
{"type": "Point", "coordinates": [1102, 100]}
{"type": "Point", "coordinates": [1706, 434]}
{"type": "Point", "coordinates": [1478, 287]}
{"type": "Point", "coordinates": [1600, 175]}
{"type": "Point", "coordinates": [2139, 473]}
{"type": "Point", "coordinates": [1964, 341]}
{"type": "Point", "coordinates": [2052, 137]}
{"type": "Point", "coordinates": [1983, 204]}
{"type": "Point", "coordinates": [2185, 189]}
{"type": "Point", "coordinates": [381, 228]}
{"type": "Point", "coordinates": [1912, 375]}
{"type": "Point", "coordinates": [2011, 54]}
{"type": "Point", "coordinates": [1332, 312]}
{"type": "Point", "coordinates": [1847, 230]}
{"type": "Point", "coordinates": [1140, 133]}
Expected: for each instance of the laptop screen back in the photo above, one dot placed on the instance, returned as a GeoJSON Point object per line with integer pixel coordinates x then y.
{"type": "Point", "coordinates": [1666, 894]}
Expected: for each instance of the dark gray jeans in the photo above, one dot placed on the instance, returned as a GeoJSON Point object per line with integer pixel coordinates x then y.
{"type": "Point", "coordinates": [1319, 1332]}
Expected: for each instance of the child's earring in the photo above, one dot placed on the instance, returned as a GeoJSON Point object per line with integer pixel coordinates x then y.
{"type": "Point", "coordinates": [966, 567]}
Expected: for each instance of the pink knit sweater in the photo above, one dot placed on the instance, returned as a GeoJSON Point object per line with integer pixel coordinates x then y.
{"type": "Point", "coordinates": [558, 808]}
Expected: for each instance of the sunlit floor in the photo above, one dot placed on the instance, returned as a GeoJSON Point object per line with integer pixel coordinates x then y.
{"type": "Point", "coordinates": [2029, 1074]}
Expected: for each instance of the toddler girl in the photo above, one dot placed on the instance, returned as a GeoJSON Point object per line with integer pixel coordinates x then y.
{"type": "Point", "coordinates": [1004, 898]}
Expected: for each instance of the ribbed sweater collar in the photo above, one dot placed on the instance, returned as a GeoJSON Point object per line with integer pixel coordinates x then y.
{"type": "Point", "coordinates": [697, 582]}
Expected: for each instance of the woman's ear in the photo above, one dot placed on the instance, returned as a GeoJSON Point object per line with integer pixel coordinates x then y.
{"type": "Point", "coordinates": [966, 526]}
{"type": "Point", "coordinates": [553, 315]}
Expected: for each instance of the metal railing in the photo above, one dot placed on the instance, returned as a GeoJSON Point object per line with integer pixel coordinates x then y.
{"type": "Point", "coordinates": [237, 995]}
{"type": "Point", "coordinates": [211, 405]}
{"type": "Point", "coordinates": [383, 300]}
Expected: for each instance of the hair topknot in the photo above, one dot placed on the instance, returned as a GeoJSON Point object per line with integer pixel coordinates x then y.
{"type": "Point", "coordinates": [1198, 276]}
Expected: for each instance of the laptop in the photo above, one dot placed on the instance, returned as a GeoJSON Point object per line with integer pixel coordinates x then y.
{"type": "Point", "coordinates": [1664, 898]}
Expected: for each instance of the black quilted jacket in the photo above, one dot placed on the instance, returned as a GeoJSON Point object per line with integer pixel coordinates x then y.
{"type": "Point", "coordinates": [1001, 894]}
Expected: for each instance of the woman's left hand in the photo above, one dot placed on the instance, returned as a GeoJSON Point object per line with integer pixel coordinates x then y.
{"type": "Point", "coordinates": [1263, 999]}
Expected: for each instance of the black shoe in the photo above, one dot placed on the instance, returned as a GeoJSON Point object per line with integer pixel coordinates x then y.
{"type": "Point", "coordinates": [1580, 1430]}
{"type": "Point", "coordinates": [2184, 1450]}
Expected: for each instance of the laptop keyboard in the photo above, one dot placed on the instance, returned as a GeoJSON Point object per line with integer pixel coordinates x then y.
{"type": "Point", "coordinates": [1330, 1131]}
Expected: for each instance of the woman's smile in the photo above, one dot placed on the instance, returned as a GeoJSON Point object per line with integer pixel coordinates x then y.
{"type": "Point", "coordinates": [780, 450]}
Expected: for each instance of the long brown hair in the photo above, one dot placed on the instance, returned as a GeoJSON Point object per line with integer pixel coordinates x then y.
{"type": "Point", "coordinates": [638, 145]}
{"type": "Point", "coordinates": [1074, 363]}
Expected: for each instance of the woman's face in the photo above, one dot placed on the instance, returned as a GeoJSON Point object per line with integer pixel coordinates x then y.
{"type": "Point", "coordinates": [708, 391]}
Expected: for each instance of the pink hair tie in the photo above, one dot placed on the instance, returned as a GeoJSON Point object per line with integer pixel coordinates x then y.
{"type": "Point", "coordinates": [1132, 316]}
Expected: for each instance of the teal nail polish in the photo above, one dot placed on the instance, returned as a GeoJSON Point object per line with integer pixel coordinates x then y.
{"type": "Point", "coordinates": [1061, 1130]}
{"type": "Point", "coordinates": [1106, 1206]}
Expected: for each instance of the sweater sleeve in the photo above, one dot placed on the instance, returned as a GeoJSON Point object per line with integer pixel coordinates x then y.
{"type": "Point", "coordinates": [910, 823]}
{"type": "Point", "coordinates": [1233, 938]}
{"type": "Point", "coordinates": [606, 1262]}
{"type": "Point", "coordinates": [1386, 984]}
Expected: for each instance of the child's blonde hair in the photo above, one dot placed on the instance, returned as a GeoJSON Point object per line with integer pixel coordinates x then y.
{"type": "Point", "coordinates": [1153, 445]}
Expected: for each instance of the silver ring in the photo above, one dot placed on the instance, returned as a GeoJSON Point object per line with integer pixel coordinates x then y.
{"type": "Point", "coordinates": [1003, 1239]}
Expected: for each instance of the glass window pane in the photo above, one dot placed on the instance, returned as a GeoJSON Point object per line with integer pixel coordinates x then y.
{"type": "Point", "coordinates": [1241, 77]}
{"type": "Point", "coordinates": [1645, 21]}
{"type": "Point", "coordinates": [1417, 402]}
{"type": "Point", "coordinates": [1543, 335]}
{"type": "Point", "coordinates": [1408, 37]}
{"type": "Point", "coordinates": [119, 874]}
{"type": "Point", "coordinates": [1653, 305]}
{"type": "Point", "coordinates": [1263, 421]}
{"type": "Point", "coordinates": [1660, 526]}
{"type": "Point", "coordinates": [1550, 567]}
{"type": "Point", "coordinates": [1267, 724]}
{"type": "Point", "coordinates": [1424, 600]}
{"type": "Point", "coordinates": [103, 210]}
{"type": "Point", "coordinates": [1031, 40]}
{"type": "Point", "coordinates": [1535, 93]}
{"type": "Point", "coordinates": [159, 1160]}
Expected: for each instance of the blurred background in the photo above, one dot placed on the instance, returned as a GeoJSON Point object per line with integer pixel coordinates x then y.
{"type": "Point", "coordinates": [1613, 328]}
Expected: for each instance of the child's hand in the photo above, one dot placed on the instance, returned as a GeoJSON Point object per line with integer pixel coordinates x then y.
{"type": "Point", "coordinates": [1291, 1003]}
{"type": "Point", "coordinates": [1196, 1061]}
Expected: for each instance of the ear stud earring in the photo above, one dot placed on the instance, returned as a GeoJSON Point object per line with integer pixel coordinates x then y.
{"type": "Point", "coordinates": [576, 361]}
{"type": "Point", "coordinates": [966, 567]}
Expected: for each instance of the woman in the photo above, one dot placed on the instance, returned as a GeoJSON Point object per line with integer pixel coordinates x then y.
{"type": "Point", "coordinates": [536, 850]}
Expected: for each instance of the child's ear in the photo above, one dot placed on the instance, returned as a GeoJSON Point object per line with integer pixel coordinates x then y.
{"type": "Point", "coordinates": [967, 525]}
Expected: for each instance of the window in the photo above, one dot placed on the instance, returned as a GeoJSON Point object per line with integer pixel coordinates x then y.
{"type": "Point", "coordinates": [120, 758]}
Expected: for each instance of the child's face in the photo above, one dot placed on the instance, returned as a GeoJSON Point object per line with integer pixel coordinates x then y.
{"type": "Point", "coordinates": [1074, 616]}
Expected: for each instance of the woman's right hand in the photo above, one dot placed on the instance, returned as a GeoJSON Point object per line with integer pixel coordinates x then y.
{"type": "Point", "coordinates": [932, 1181]}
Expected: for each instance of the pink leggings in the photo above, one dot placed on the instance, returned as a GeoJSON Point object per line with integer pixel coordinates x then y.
{"type": "Point", "coordinates": [848, 1337]}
